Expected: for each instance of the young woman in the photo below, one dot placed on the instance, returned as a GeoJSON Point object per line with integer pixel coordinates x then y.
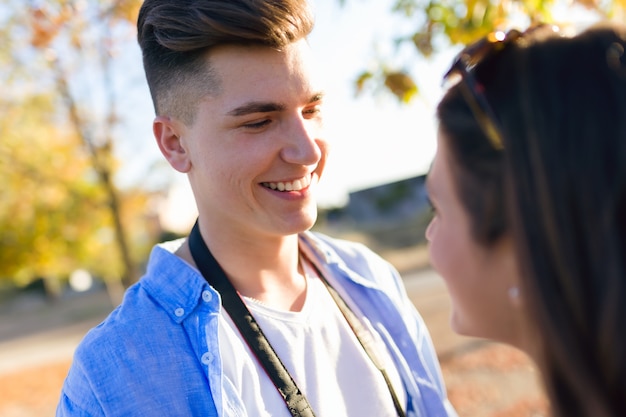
{"type": "Point", "coordinates": [529, 190]}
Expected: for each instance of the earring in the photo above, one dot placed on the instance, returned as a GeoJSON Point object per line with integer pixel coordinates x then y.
{"type": "Point", "coordinates": [514, 294]}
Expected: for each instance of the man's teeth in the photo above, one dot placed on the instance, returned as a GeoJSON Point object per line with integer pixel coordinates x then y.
{"type": "Point", "coordinates": [296, 185]}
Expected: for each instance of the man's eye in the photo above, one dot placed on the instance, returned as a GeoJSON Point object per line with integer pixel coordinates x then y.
{"type": "Point", "coordinates": [313, 111]}
{"type": "Point", "coordinates": [257, 125]}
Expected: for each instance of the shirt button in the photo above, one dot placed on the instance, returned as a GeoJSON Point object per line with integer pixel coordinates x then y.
{"type": "Point", "coordinates": [179, 312]}
{"type": "Point", "coordinates": [206, 358]}
{"type": "Point", "coordinates": [207, 296]}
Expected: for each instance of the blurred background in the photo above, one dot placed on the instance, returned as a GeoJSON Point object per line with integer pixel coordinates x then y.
{"type": "Point", "coordinates": [85, 193]}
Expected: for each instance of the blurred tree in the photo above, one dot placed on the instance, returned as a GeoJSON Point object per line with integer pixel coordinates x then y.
{"type": "Point", "coordinates": [60, 207]}
{"type": "Point", "coordinates": [438, 25]}
{"type": "Point", "coordinates": [51, 206]}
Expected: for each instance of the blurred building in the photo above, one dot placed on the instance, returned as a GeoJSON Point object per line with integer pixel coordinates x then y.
{"type": "Point", "coordinates": [394, 214]}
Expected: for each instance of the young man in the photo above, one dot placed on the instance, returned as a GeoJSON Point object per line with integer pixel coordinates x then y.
{"type": "Point", "coordinates": [239, 111]}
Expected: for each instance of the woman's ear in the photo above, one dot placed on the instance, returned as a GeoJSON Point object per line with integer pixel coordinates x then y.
{"type": "Point", "coordinates": [167, 133]}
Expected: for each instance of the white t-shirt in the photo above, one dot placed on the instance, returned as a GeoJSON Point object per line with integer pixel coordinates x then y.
{"type": "Point", "coordinates": [322, 354]}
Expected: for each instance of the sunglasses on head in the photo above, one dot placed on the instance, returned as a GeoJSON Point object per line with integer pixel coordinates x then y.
{"type": "Point", "coordinates": [462, 72]}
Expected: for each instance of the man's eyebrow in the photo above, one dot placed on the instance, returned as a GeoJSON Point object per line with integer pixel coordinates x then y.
{"type": "Point", "coordinates": [256, 107]}
{"type": "Point", "coordinates": [266, 106]}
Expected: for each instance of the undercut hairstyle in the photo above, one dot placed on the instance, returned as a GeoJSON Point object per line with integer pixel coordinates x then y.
{"type": "Point", "coordinates": [176, 36]}
{"type": "Point", "coordinates": [558, 187]}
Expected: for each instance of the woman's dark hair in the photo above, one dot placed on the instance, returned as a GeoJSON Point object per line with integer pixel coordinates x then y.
{"type": "Point", "coordinates": [175, 35]}
{"type": "Point", "coordinates": [559, 189]}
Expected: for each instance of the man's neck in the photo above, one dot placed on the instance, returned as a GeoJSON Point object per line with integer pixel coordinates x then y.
{"type": "Point", "coordinates": [269, 273]}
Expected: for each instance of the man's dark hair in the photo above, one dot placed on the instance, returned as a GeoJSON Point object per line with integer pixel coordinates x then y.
{"type": "Point", "coordinates": [176, 35]}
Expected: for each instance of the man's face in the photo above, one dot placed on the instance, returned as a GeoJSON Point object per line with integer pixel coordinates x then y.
{"type": "Point", "coordinates": [255, 149]}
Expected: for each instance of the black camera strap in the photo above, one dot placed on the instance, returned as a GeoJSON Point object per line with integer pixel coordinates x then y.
{"type": "Point", "coordinates": [255, 338]}
{"type": "Point", "coordinates": [247, 325]}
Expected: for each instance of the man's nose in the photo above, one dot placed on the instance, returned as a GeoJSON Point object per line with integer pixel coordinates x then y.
{"type": "Point", "coordinates": [302, 142]}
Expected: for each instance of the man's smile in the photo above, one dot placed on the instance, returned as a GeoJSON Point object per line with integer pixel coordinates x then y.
{"type": "Point", "coordinates": [296, 185]}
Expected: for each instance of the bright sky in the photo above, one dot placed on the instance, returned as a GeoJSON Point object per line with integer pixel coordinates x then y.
{"type": "Point", "coordinates": [374, 138]}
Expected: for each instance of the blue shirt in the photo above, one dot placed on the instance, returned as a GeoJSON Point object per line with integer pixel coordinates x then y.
{"type": "Point", "coordinates": [157, 354]}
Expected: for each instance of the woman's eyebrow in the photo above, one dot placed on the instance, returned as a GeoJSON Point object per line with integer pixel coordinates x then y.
{"type": "Point", "coordinates": [428, 186]}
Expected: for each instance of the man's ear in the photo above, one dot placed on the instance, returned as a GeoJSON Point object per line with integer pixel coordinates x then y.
{"type": "Point", "coordinates": [167, 133]}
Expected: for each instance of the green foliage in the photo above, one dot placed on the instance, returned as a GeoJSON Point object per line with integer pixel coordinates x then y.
{"type": "Point", "coordinates": [446, 23]}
